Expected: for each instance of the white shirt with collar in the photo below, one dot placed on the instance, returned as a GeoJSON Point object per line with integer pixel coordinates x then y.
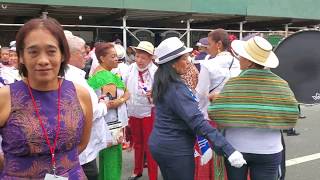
{"type": "Point", "coordinates": [139, 105]}
{"type": "Point", "coordinates": [100, 133]}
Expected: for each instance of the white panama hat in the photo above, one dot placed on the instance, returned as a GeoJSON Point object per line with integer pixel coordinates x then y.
{"type": "Point", "coordinates": [257, 50]}
{"type": "Point", "coordinates": [121, 52]}
{"type": "Point", "coordinates": [170, 49]}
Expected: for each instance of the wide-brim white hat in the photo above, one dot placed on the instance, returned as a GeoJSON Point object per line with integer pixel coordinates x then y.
{"type": "Point", "coordinates": [257, 50]}
{"type": "Point", "coordinates": [170, 49]}
{"type": "Point", "coordinates": [121, 52]}
{"type": "Point", "coordinates": [144, 46]}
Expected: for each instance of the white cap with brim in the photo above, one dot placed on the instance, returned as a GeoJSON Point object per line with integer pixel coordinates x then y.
{"type": "Point", "coordinates": [170, 49]}
{"type": "Point", "coordinates": [257, 50]}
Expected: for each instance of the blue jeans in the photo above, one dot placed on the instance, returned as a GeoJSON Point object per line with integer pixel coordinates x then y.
{"type": "Point", "coordinates": [260, 167]}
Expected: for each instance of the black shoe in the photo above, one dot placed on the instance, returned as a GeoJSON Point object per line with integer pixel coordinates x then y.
{"type": "Point", "coordinates": [292, 133]}
{"type": "Point", "coordinates": [285, 130]}
{"type": "Point", "coordinates": [135, 177]}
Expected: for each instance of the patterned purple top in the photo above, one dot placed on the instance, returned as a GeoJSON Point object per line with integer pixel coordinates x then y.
{"type": "Point", "coordinates": [26, 152]}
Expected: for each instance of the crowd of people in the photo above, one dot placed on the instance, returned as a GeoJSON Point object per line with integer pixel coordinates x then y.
{"type": "Point", "coordinates": [68, 111]}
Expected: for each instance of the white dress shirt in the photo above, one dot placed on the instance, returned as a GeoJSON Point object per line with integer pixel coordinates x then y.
{"type": "Point", "coordinates": [100, 133]}
{"type": "Point", "coordinates": [9, 74]}
{"type": "Point", "coordinates": [139, 105]}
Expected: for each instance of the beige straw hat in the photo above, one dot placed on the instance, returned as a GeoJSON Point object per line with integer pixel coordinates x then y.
{"type": "Point", "coordinates": [145, 46]}
{"type": "Point", "coordinates": [257, 50]}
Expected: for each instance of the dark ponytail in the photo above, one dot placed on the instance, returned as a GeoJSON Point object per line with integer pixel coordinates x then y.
{"type": "Point", "coordinates": [164, 75]}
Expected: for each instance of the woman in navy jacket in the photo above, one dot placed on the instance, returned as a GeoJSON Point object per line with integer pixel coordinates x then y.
{"type": "Point", "coordinates": [178, 118]}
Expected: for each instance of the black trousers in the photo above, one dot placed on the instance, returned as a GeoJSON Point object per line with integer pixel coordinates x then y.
{"type": "Point", "coordinates": [91, 170]}
{"type": "Point", "coordinates": [260, 166]}
{"type": "Point", "coordinates": [282, 169]}
{"type": "Point", "coordinates": [175, 167]}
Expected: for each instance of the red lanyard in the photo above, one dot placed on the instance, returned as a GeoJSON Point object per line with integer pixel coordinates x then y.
{"type": "Point", "coordinates": [45, 133]}
{"type": "Point", "coordinates": [141, 79]}
{"type": "Point", "coordinates": [141, 76]}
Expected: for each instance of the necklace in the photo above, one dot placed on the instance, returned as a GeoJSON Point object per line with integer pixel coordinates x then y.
{"type": "Point", "coordinates": [223, 53]}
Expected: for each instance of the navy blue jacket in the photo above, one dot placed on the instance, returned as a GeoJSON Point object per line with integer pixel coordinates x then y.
{"type": "Point", "coordinates": [178, 120]}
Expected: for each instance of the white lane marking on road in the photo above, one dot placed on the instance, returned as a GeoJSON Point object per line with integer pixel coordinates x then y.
{"type": "Point", "coordinates": [302, 159]}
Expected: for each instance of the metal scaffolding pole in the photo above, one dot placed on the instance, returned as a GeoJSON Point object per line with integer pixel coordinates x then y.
{"type": "Point", "coordinates": [286, 27]}
{"type": "Point", "coordinates": [241, 30]}
{"type": "Point", "coordinates": [151, 28]}
{"type": "Point", "coordinates": [133, 35]}
{"type": "Point", "coordinates": [44, 15]}
{"type": "Point", "coordinates": [124, 31]}
{"type": "Point", "coordinates": [97, 34]}
{"type": "Point", "coordinates": [188, 32]}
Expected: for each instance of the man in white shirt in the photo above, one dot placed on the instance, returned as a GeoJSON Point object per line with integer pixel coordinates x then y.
{"type": "Point", "coordinates": [100, 133]}
{"type": "Point", "coordinates": [139, 82]}
{"type": "Point", "coordinates": [9, 74]}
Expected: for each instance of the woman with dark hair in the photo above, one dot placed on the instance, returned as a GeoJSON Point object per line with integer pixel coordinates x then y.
{"type": "Point", "coordinates": [45, 120]}
{"type": "Point", "coordinates": [110, 88]}
{"type": "Point", "coordinates": [178, 119]}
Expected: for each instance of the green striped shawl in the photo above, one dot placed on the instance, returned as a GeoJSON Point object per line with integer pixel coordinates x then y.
{"type": "Point", "coordinates": [102, 78]}
{"type": "Point", "coordinates": [256, 98]}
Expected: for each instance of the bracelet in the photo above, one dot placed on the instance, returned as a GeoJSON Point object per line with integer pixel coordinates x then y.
{"type": "Point", "coordinates": [122, 100]}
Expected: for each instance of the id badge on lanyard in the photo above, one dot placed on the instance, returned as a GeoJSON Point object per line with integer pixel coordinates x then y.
{"type": "Point", "coordinates": [54, 177]}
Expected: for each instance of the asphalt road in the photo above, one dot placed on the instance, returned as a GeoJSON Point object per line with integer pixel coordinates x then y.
{"type": "Point", "coordinates": [306, 143]}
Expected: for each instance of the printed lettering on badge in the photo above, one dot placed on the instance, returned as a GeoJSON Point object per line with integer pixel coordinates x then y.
{"type": "Point", "coordinates": [54, 177]}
